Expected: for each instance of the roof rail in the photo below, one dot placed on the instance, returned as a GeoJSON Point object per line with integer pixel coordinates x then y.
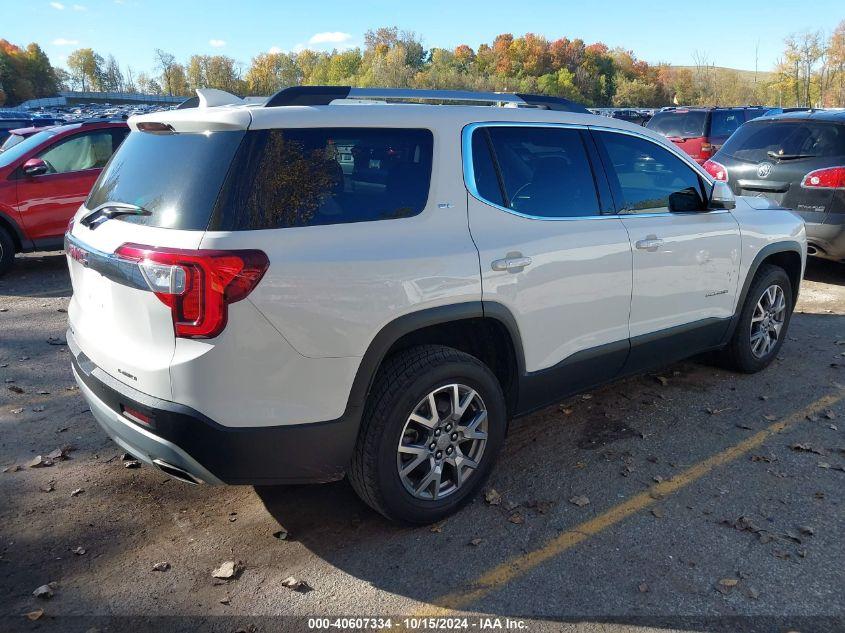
{"type": "Point", "coordinates": [324, 95]}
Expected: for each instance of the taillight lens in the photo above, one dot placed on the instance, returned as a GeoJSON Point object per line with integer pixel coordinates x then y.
{"type": "Point", "coordinates": [197, 285]}
{"type": "Point", "coordinates": [717, 170]}
{"type": "Point", "coordinates": [828, 178]}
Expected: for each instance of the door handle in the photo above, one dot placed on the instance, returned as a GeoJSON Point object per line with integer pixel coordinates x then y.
{"type": "Point", "coordinates": [651, 243]}
{"type": "Point", "coordinates": [511, 264]}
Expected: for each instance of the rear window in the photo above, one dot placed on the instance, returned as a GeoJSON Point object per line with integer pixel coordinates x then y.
{"type": "Point", "coordinates": [176, 177]}
{"type": "Point", "coordinates": [312, 176]}
{"type": "Point", "coordinates": [679, 123]}
{"type": "Point", "coordinates": [10, 155]}
{"type": "Point", "coordinates": [266, 179]}
{"type": "Point", "coordinates": [766, 140]}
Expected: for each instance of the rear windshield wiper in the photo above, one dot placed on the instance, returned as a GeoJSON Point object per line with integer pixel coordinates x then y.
{"type": "Point", "coordinates": [772, 154]}
{"type": "Point", "coordinates": [109, 210]}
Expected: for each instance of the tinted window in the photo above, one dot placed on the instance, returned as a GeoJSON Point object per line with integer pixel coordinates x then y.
{"type": "Point", "coordinates": [486, 180]}
{"type": "Point", "coordinates": [767, 140]}
{"type": "Point", "coordinates": [725, 122]}
{"type": "Point", "coordinates": [90, 150]}
{"type": "Point", "coordinates": [544, 171]}
{"type": "Point", "coordinates": [304, 177]}
{"type": "Point", "coordinates": [679, 123]}
{"type": "Point", "coordinates": [650, 178]}
{"type": "Point", "coordinates": [176, 177]}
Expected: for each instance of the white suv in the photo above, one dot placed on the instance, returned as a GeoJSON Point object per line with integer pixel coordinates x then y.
{"type": "Point", "coordinates": [323, 284]}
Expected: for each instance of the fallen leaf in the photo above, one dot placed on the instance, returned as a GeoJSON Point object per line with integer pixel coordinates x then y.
{"type": "Point", "coordinates": [580, 464]}
{"type": "Point", "coordinates": [586, 396]}
{"type": "Point", "coordinates": [823, 465]}
{"type": "Point", "coordinates": [50, 486]}
{"type": "Point", "coordinates": [17, 410]}
{"type": "Point", "coordinates": [132, 463]}
{"type": "Point", "coordinates": [437, 528]}
{"type": "Point", "coordinates": [227, 570]}
{"type": "Point", "coordinates": [662, 380]}
{"type": "Point", "coordinates": [475, 542]}
{"type": "Point", "coordinates": [658, 479]}
{"type": "Point", "coordinates": [38, 409]}
{"type": "Point", "coordinates": [492, 497]}
{"type": "Point", "coordinates": [296, 584]}
{"type": "Point", "coordinates": [76, 492]}
{"type": "Point", "coordinates": [580, 500]}
{"type": "Point", "coordinates": [807, 530]}
{"type": "Point", "coordinates": [565, 410]}
{"type": "Point", "coordinates": [44, 592]}
{"type": "Point", "coordinates": [15, 389]}
{"type": "Point", "coordinates": [12, 469]}
{"type": "Point", "coordinates": [806, 448]}
{"type": "Point", "coordinates": [516, 518]}
{"type": "Point", "coordinates": [224, 601]}
{"type": "Point", "coordinates": [282, 535]}
{"type": "Point", "coordinates": [163, 566]}
{"type": "Point", "coordinates": [643, 587]}
{"type": "Point", "coordinates": [752, 593]}
{"type": "Point", "coordinates": [32, 616]}
{"type": "Point", "coordinates": [79, 551]}
{"type": "Point", "coordinates": [657, 512]}
{"type": "Point", "coordinates": [830, 415]}
{"type": "Point", "coordinates": [40, 462]}
{"type": "Point", "coordinates": [59, 454]}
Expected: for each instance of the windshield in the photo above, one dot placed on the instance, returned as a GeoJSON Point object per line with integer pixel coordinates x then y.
{"type": "Point", "coordinates": [679, 123]}
{"type": "Point", "coordinates": [765, 140]}
{"type": "Point", "coordinates": [176, 177]}
{"type": "Point", "coordinates": [12, 154]}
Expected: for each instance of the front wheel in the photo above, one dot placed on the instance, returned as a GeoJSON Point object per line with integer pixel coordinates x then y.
{"type": "Point", "coordinates": [432, 428]}
{"type": "Point", "coordinates": [763, 322]}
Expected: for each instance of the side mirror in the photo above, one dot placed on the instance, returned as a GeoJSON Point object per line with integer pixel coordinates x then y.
{"type": "Point", "coordinates": [35, 167]}
{"type": "Point", "coordinates": [721, 196]}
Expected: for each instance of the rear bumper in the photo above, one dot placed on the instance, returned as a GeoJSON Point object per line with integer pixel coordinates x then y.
{"type": "Point", "coordinates": [826, 239]}
{"type": "Point", "coordinates": [178, 436]}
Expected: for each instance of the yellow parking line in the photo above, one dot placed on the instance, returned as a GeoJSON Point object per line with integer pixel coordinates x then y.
{"type": "Point", "coordinates": [518, 566]}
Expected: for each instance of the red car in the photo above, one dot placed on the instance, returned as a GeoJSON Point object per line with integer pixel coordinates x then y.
{"type": "Point", "coordinates": [44, 179]}
{"type": "Point", "coordinates": [700, 132]}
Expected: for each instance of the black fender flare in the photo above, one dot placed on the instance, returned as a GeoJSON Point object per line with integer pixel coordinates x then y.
{"type": "Point", "coordinates": [408, 323]}
{"type": "Point", "coordinates": [22, 242]}
{"type": "Point", "coordinates": [787, 246]}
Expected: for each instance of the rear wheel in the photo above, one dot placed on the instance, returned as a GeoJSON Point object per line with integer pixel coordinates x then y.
{"type": "Point", "coordinates": [763, 322]}
{"type": "Point", "coordinates": [7, 251]}
{"type": "Point", "coordinates": [432, 428]}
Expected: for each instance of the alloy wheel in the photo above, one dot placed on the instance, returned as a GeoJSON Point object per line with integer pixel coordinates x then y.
{"type": "Point", "coordinates": [442, 442]}
{"type": "Point", "coordinates": [767, 321]}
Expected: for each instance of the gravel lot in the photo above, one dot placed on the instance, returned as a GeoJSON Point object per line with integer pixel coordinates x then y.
{"type": "Point", "coordinates": [693, 499]}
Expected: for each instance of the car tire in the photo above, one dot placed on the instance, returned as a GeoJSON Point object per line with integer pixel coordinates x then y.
{"type": "Point", "coordinates": [400, 398]}
{"type": "Point", "coordinates": [7, 252]}
{"type": "Point", "coordinates": [747, 351]}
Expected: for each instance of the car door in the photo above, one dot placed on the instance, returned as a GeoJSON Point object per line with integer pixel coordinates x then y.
{"type": "Point", "coordinates": [47, 202]}
{"type": "Point", "coordinates": [550, 259]}
{"type": "Point", "coordinates": [686, 258]}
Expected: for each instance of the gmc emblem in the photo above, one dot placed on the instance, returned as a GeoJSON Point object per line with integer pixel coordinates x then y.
{"type": "Point", "coordinates": [77, 253]}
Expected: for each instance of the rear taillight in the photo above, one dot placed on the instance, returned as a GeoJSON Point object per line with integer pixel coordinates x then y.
{"type": "Point", "coordinates": [197, 285]}
{"type": "Point", "coordinates": [717, 170]}
{"type": "Point", "coordinates": [828, 178]}
{"type": "Point", "coordinates": [707, 150]}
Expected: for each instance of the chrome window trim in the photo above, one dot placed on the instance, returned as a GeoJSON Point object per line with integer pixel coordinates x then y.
{"type": "Point", "coordinates": [469, 171]}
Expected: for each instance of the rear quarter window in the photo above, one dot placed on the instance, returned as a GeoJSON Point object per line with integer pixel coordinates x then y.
{"type": "Point", "coordinates": [315, 176]}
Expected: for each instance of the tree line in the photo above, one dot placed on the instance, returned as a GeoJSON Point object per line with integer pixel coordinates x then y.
{"type": "Point", "coordinates": [810, 72]}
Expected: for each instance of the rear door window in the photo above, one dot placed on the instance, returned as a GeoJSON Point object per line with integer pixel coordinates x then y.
{"type": "Point", "coordinates": [679, 123]}
{"type": "Point", "coordinates": [759, 141]}
{"type": "Point", "coordinates": [649, 178]}
{"type": "Point", "coordinates": [725, 122]}
{"type": "Point", "coordinates": [88, 150]}
{"type": "Point", "coordinates": [312, 176]}
{"type": "Point", "coordinates": [539, 171]}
